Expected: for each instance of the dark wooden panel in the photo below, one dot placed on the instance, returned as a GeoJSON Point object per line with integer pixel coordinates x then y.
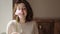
{"type": "Point", "coordinates": [57, 26]}
{"type": "Point", "coordinates": [45, 26]}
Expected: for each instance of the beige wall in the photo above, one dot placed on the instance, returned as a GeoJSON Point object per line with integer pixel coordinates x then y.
{"type": "Point", "coordinates": [5, 14]}
{"type": "Point", "coordinates": [46, 8]}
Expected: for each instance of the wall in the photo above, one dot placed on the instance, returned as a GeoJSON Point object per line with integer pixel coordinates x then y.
{"type": "Point", "coordinates": [5, 14]}
{"type": "Point", "coordinates": [46, 8]}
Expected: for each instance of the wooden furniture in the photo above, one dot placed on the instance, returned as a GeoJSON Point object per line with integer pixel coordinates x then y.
{"type": "Point", "coordinates": [48, 25]}
{"type": "Point", "coordinates": [57, 26]}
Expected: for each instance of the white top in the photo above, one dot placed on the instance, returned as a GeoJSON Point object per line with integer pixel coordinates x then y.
{"type": "Point", "coordinates": [26, 28]}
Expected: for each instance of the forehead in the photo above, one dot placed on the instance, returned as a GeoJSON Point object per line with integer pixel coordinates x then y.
{"type": "Point", "coordinates": [21, 5]}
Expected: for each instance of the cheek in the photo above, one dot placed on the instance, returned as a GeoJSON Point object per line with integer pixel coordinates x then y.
{"type": "Point", "coordinates": [25, 13]}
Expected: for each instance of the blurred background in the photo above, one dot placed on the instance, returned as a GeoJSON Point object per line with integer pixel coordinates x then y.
{"type": "Point", "coordinates": [41, 8]}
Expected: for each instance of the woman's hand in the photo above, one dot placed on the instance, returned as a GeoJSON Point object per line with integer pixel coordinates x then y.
{"type": "Point", "coordinates": [14, 33]}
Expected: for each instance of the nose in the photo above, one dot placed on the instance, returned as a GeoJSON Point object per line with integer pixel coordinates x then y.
{"type": "Point", "coordinates": [21, 11]}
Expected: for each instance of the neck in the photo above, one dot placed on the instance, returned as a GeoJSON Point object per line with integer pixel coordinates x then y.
{"type": "Point", "coordinates": [22, 20]}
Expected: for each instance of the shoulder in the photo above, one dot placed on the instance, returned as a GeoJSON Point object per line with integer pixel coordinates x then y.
{"type": "Point", "coordinates": [10, 23]}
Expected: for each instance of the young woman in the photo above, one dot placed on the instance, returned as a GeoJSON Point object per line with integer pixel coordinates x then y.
{"type": "Point", "coordinates": [23, 22]}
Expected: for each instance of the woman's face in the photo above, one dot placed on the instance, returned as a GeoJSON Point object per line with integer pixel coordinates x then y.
{"type": "Point", "coordinates": [21, 10]}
